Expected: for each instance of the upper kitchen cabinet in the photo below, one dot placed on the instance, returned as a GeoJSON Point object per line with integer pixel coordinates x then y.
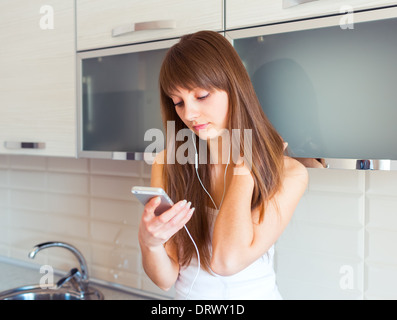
{"type": "Point", "coordinates": [37, 78]}
{"type": "Point", "coordinates": [246, 13]}
{"type": "Point", "coordinates": [104, 23]}
{"type": "Point", "coordinates": [328, 91]}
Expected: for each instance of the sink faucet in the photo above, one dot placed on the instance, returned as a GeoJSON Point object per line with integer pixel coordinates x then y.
{"type": "Point", "coordinates": [74, 278]}
{"type": "Point", "coordinates": [79, 280]}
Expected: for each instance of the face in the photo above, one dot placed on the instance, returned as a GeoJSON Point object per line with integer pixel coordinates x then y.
{"type": "Point", "coordinates": [203, 111]}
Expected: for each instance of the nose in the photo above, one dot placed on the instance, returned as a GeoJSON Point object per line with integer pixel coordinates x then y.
{"type": "Point", "coordinates": [191, 111]}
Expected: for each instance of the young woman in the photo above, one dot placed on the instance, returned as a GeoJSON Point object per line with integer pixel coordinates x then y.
{"type": "Point", "coordinates": [234, 210]}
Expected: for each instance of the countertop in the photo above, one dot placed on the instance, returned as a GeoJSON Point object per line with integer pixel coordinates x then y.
{"type": "Point", "coordinates": [14, 274]}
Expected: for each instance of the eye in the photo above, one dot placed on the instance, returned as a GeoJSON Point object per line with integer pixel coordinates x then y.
{"type": "Point", "coordinates": [176, 101]}
{"type": "Point", "coordinates": [203, 96]}
{"type": "Point", "coordinates": [178, 104]}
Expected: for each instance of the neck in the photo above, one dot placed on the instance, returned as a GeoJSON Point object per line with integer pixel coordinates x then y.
{"type": "Point", "coordinates": [219, 152]}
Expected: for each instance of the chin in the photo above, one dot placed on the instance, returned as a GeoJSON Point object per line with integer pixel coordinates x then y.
{"type": "Point", "coordinates": [209, 134]}
{"type": "Point", "coordinates": [207, 137]}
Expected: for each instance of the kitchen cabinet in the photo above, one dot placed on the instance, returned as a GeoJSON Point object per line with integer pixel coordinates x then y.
{"type": "Point", "coordinates": [305, 99]}
{"type": "Point", "coordinates": [104, 23]}
{"type": "Point", "coordinates": [37, 78]}
{"type": "Point", "coordinates": [246, 13]}
{"type": "Point", "coordinates": [119, 100]}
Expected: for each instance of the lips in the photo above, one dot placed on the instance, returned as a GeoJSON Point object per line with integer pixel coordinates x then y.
{"type": "Point", "coordinates": [201, 126]}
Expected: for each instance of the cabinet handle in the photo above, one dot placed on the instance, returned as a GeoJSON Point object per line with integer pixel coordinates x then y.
{"type": "Point", "coordinates": [292, 3]}
{"type": "Point", "coordinates": [24, 145]}
{"type": "Point", "coordinates": [140, 26]}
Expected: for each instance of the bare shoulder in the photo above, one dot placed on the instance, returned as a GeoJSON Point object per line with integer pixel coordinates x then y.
{"type": "Point", "coordinates": [294, 184]}
{"type": "Point", "coordinates": [157, 170]}
{"type": "Point", "coordinates": [160, 158]}
{"type": "Point", "coordinates": [295, 172]}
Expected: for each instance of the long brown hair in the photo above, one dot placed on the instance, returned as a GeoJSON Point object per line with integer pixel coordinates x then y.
{"type": "Point", "coordinates": [207, 60]}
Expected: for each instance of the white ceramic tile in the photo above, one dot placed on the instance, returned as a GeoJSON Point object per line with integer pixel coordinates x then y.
{"type": "Point", "coordinates": [89, 202]}
{"type": "Point", "coordinates": [381, 212]}
{"type": "Point", "coordinates": [4, 248]}
{"type": "Point", "coordinates": [318, 269]}
{"type": "Point", "coordinates": [50, 224]}
{"type": "Point", "coordinates": [112, 187]}
{"type": "Point", "coordinates": [382, 182]}
{"type": "Point", "coordinates": [146, 182]}
{"type": "Point", "coordinates": [28, 199]}
{"type": "Point", "coordinates": [61, 265]}
{"type": "Point", "coordinates": [116, 258]}
{"type": "Point", "coordinates": [118, 277]}
{"type": "Point", "coordinates": [3, 230]}
{"type": "Point", "coordinates": [118, 211]}
{"type": "Point", "coordinates": [344, 209]}
{"type": "Point", "coordinates": [381, 282]}
{"type": "Point", "coordinates": [296, 289]}
{"type": "Point", "coordinates": [4, 225]}
{"type": "Point", "coordinates": [323, 238]}
{"type": "Point", "coordinates": [114, 234]}
{"type": "Point", "coordinates": [4, 161]}
{"type": "Point", "coordinates": [22, 242]}
{"type": "Point", "coordinates": [28, 162]}
{"type": "Point", "coordinates": [3, 177]}
{"type": "Point", "coordinates": [349, 181]}
{"type": "Point", "coordinates": [68, 227]}
{"type": "Point", "coordinates": [125, 168]}
{"type": "Point", "coordinates": [73, 205]}
{"type": "Point", "coordinates": [147, 170]}
{"type": "Point", "coordinates": [126, 278]}
{"type": "Point", "coordinates": [22, 254]}
{"type": "Point", "coordinates": [4, 196]}
{"type": "Point", "coordinates": [3, 216]}
{"type": "Point", "coordinates": [61, 258]}
{"type": "Point", "coordinates": [68, 165]}
{"type": "Point", "coordinates": [380, 246]}
{"type": "Point", "coordinates": [128, 237]}
{"type": "Point", "coordinates": [24, 179]}
{"type": "Point", "coordinates": [68, 183]}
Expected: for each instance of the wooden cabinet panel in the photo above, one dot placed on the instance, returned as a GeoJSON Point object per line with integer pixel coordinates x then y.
{"type": "Point", "coordinates": [97, 19]}
{"type": "Point", "coordinates": [37, 78]}
{"type": "Point", "coordinates": [245, 13]}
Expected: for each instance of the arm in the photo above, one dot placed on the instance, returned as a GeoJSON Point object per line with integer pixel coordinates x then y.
{"type": "Point", "coordinates": [159, 257]}
{"type": "Point", "coordinates": [238, 238]}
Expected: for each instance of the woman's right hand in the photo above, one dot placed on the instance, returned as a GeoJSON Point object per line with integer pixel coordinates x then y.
{"type": "Point", "coordinates": [154, 230]}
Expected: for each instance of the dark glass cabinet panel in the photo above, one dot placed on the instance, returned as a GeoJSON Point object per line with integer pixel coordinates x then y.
{"type": "Point", "coordinates": [330, 92]}
{"type": "Point", "coordinates": [120, 100]}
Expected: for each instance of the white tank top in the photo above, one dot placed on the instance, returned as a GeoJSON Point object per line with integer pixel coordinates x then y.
{"type": "Point", "coordinates": [257, 281]}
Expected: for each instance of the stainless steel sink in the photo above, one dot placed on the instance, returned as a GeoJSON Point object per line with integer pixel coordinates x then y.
{"type": "Point", "coordinates": [37, 292]}
{"type": "Point", "coordinates": [73, 286]}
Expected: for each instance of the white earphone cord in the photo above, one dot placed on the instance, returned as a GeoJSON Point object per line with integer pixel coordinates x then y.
{"type": "Point", "coordinates": [213, 202]}
{"type": "Point", "coordinates": [198, 261]}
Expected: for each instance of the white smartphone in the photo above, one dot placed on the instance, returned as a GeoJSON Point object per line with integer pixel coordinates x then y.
{"type": "Point", "coordinates": [144, 194]}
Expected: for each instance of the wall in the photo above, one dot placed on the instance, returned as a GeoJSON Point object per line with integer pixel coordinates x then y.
{"type": "Point", "coordinates": [339, 244]}
{"type": "Point", "coordinates": [85, 202]}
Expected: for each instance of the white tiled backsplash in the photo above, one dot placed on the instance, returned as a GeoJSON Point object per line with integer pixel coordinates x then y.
{"type": "Point", "coordinates": [340, 243]}
{"type": "Point", "coordinates": [84, 202]}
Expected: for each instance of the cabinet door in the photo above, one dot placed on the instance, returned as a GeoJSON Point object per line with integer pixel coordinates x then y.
{"type": "Point", "coordinates": [151, 20]}
{"type": "Point", "coordinates": [37, 78]}
{"type": "Point", "coordinates": [120, 101]}
{"type": "Point", "coordinates": [244, 13]}
{"type": "Point", "coordinates": [329, 92]}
